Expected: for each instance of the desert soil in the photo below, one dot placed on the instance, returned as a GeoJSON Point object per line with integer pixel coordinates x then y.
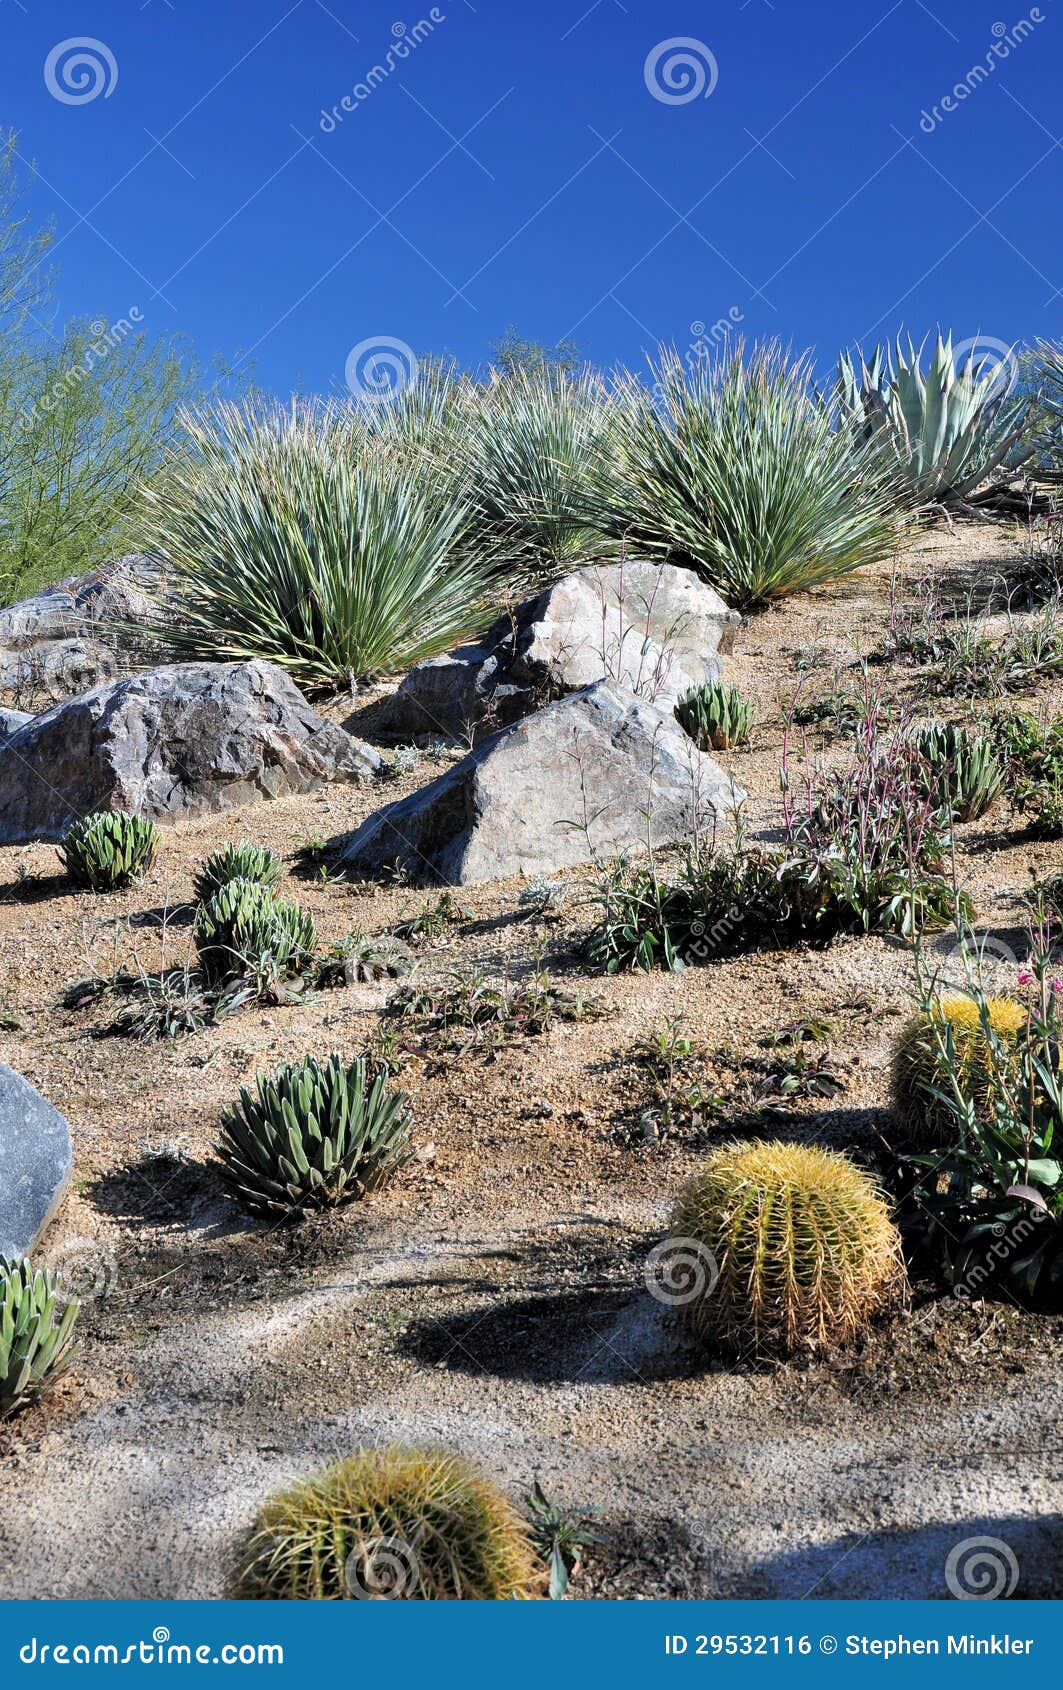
{"type": "Point", "coordinates": [492, 1298]}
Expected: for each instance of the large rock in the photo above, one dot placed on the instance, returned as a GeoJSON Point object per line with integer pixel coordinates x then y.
{"type": "Point", "coordinates": [172, 741]}
{"type": "Point", "coordinates": [518, 802]}
{"type": "Point", "coordinates": [36, 1155]}
{"type": "Point", "coordinates": [76, 633]}
{"type": "Point", "coordinates": [655, 629]}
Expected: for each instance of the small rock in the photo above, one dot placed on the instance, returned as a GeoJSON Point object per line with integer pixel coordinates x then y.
{"type": "Point", "coordinates": [36, 1156]}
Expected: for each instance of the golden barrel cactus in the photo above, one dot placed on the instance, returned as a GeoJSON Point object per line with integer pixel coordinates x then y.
{"type": "Point", "coordinates": [398, 1524]}
{"type": "Point", "coordinates": [924, 1121]}
{"type": "Point", "coordinates": [799, 1244]}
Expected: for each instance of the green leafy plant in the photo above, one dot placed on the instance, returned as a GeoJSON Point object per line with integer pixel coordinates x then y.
{"type": "Point", "coordinates": [736, 469]}
{"type": "Point", "coordinates": [108, 849]}
{"type": "Point", "coordinates": [943, 433]}
{"type": "Point", "coordinates": [313, 1136]}
{"type": "Point", "coordinates": [359, 959]}
{"type": "Point", "coordinates": [398, 1523]}
{"type": "Point", "coordinates": [36, 1333]}
{"type": "Point", "coordinates": [243, 930]}
{"type": "Point", "coordinates": [559, 1538]}
{"type": "Point", "coordinates": [1032, 754]}
{"type": "Point", "coordinates": [169, 1005]}
{"type": "Point", "coordinates": [237, 862]}
{"type": "Point", "coordinates": [963, 772]}
{"type": "Point", "coordinates": [795, 1249]}
{"type": "Point", "coordinates": [674, 1069]}
{"type": "Point", "coordinates": [493, 1009]}
{"type": "Point", "coordinates": [715, 716]}
{"type": "Point", "coordinates": [433, 920]}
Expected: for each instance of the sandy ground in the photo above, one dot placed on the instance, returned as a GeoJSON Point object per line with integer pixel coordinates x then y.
{"type": "Point", "coordinates": [493, 1297]}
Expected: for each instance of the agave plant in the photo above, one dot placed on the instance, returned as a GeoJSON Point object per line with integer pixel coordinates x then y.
{"type": "Point", "coordinates": [237, 862]}
{"type": "Point", "coordinates": [36, 1335]}
{"type": "Point", "coordinates": [244, 929]}
{"type": "Point", "coordinates": [314, 1136]}
{"type": "Point", "coordinates": [962, 770]}
{"type": "Point", "coordinates": [715, 716]}
{"type": "Point", "coordinates": [943, 434]}
{"type": "Point", "coordinates": [296, 535]}
{"type": "Point", "coordinates": [737, 471]}
{"type": "Point", "coordinates": [108, 849]}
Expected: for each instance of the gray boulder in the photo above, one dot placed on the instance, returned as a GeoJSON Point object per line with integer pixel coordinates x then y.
{"type": "Point", "coordinates": [36, 1155]}
{"type": "Point", "coordinates": [518, 802]}
{"type": "Point", "coordinates": [176, 740]}
{"type": "Point", "coordinates": [72, 635]}
{"type": "Point", "coordinates": [655, 629]}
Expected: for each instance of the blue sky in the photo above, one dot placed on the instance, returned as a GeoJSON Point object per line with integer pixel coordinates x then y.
{"type": "Point", "coordinates": [519, 165]}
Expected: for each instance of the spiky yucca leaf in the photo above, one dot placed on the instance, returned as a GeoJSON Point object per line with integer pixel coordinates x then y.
{"type": "Point", "coordinates": [401, 1524]}
{"type": "Point", "coordinates": [293, 535]}
{"type": "Point", "coordinates": [950, 1036]}
{"type": "Point", "coordinates": [963, 772]}
{"type": "Point", "coordinates": [109, 849]}
{"type": "Point", "coordinates": [314, 1136]}
{"type": "Point", "coordinates": [943, 434]}
{"type": "Point", "coordinates": [244, 926]}
{"type": "Point", "coordinates": [715, 715]}
{"type": "Point", "coordinates": [237, 862]}
{"type": "Point", "coordinates": [737, 471]}
{"type": "Point", "coordinates": [36, 1334]}
{"type": "Point", "coordinates": [802, 1249]}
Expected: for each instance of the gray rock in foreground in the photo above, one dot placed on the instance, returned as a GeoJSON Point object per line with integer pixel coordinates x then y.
{"type": "Point", "coordinates": [517, 802]}
{"type": "Point", "coordinates": [77, 633]}
{"type": "Point", "coordinates": [36, 1155]}
{"type": "Point", "coordinates": [177, 740]}
{"type": "Point", "coordinates": [654, 629]}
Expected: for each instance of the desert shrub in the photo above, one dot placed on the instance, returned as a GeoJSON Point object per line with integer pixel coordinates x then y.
{"type": "Point", "coordinates": [945, 1042]}
{"type": "Point", "coordinates": [943, 433]}
{"type": "Point", "coordinates": [737, 471]}
{"type": "Point", "coordinates": [359, 958]}
{"type": "Point", "coordinates": [36, 1333]}
{"type": "Point", "coordinates": [407, 1524]}
{"type": "Point", "coordinates": [292, 535]}
{"type": "Point", "coordinates": [477, 1007]}
{"type": "Point", "coordinates": [560, 1539]}
{"type": "Point", "coordinates": [167, 1005]}
{"type": "Point", "coordinates": [244, 930]}
{"type": "Point", "coordinates": [1032, 753]}
{"type": "Point", "coordinates": [108, 849]}
{"type": "Point", "coordinates": [796, 1248]}
{"type": "Point", "coordinates": [715, 716]}
{"type": "Point", "coordinates": [963, 772]}
{"type": "Point", "coordinates": [250, 862]}
{"type": "Point", "coordinates": [313, 1136]}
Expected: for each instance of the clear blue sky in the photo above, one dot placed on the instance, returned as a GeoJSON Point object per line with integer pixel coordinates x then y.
{"type": "Point", "coordinates": [518, 166]}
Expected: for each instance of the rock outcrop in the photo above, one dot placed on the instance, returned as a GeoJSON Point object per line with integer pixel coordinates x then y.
{"type": "Point", "coordinates": [77, 633]}
{"type": "Point", "coordinates": [36, 1155]}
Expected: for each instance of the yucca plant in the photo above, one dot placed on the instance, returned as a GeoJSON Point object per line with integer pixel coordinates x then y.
{"type": "Point", "coordinates": [244, 928]}
{"type": "Point", "coordinates": [944, 434]}
{"type": "Point", "coordinates": [962, 770]}
{"type": "Point", "coordinates": [945, 1041]}
{"type": "Point", "coordinates": [109, 849]}
{"type": "Point", "coordinates": [715, 715]}
{"type": "Point", "coordinates": [797, 1248]}
{"type": "Point", "coordinates": [294, 535]}
{"type": "Point", "coordinates": [36, 1333]}
{"type": "Point", "coordinates": [737, 470]}
{"type": "Point", "coordinates": [237, 862]}
{"type": "Point", "coordinates": [399, 1524]}
{"type": "Point", "coordinates": [313, 1136]}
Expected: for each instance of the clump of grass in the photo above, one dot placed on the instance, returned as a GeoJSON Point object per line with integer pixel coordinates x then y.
{"type": "Point", "coordinates": [433, 920]}
{"type": "Point", "coordinates": [1032, 753]}
{"type": "Point", "coordinates": [491, 1009]}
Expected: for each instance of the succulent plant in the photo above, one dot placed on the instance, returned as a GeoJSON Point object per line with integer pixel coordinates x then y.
{"type": "Point", "coordinates": [108, 849]}
{"type": "Point", "coordinates": [237, 862]}
{"type": "Point", "coordinates": [715, 716]}
{"type": "Point", "coordinates": [400, 1524]}
{"type": "Point", "coordinates": [358, 958]}
{"type": "Point", "coordinates": [963, 771]}
{"type": "Point", "coordinates": [36, 1342]}
{"type": "Point", "coordinates": [243, 927]}
{"type": "Point", "coordinates": [790, 1248]}
{"type": "Point", "coordinates": [925, 1054]}
{"type": "Point", "coordinates": [314, 1136]}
